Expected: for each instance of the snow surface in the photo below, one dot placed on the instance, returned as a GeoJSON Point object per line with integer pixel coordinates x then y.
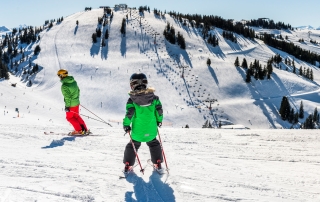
{"type": "Point", "coordinates": [260, 164]}
{"type": "Point", "coordinates": [205, 165]}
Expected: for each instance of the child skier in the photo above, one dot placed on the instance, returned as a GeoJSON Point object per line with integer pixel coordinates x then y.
{"type": "Point", "coordinates": [71, 93]}
{"type": "Point", "coordinates": [144, 111]}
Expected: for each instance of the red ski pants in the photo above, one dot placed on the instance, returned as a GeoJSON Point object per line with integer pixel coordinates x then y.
{"type": "Point", "coordinates": [74, 118]}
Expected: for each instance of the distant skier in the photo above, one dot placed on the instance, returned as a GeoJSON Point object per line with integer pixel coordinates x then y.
{"type": "Point", "coordinates": [71, 93]}
{"type": "Point", "coordinates": [144, 111]}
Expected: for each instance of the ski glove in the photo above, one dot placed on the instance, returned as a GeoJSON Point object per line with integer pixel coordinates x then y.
{"type": "Point", "coordinates": [126, 128]}
{"type": "Point", "coordinates": [67, 109]}
{"type": "Point", "coordinates": [159, 124]}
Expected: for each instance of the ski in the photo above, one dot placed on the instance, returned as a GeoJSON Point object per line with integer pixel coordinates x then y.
{"type": "Point", "coordinates": [128, 172]}
{"type": "Point", "coordinates": [125, 174]}
{"type": "Point", "coordinates": [159, 171]}
{"type": "Point", "coordinates": [53, 133]}
{"type": "Point", "coordinates": [68, 134]}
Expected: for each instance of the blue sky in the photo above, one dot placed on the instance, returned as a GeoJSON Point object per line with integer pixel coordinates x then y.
{"type": "Point", "coordinates": [295, 12]}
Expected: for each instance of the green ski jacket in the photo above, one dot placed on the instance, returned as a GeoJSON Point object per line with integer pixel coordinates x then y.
{"type": "Point", "coordinates": [70, 91]}
{"type": "Point", "coordinates": [143, 110]}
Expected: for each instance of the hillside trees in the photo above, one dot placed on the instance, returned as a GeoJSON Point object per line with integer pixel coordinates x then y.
{"type": "Point", "coordinates": [181, 41]}
{"type": "Point", "coordinates": [169, 33]}
{"type": "Point", "coordinates": [291, 48]}
{"type": "Point", "coordinates": [216, 21]}
{"type": "Point", "coordinates": [305, 72]}
{"type": "Point", "coordinates": [213, 40]}
{"type": "Point", "coordinates": [4, 73]}
{"type": "Point", "coordinates": [268, 24]}
{"type": "Point", "coordinates": [229, 36]}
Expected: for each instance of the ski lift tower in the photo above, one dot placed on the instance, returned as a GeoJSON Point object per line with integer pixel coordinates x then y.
{"type": "Point", "coordinates": [155, 37]}
{"type": "Point", "coordinates": [182, 67]}
{"type": "Point", "coordinates": [210, 101]}
{"type": "Point", "coordinates": [309, 32]}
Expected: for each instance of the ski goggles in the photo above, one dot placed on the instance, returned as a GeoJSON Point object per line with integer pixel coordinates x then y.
{"type": "Point", "coordinates": [62, 75]}
{"type": "Point", "coordinates": [136, 82]}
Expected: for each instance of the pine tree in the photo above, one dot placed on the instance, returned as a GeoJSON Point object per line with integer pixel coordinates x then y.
{"type": "Point", "coordinates": [36, 50]}
{"type": "Point", "coordinates": [236, 63]}
{"type": "Point", "coordinates": [103, 43]}
{"type": "Point", "coordinates": [291, 116]}
{"type": "Point", "coordinates": [123, 27]}
{"type": "Point", "coordinates": [301, 111]}
{"type": "Point", "coordinates": [94, 37]}
{"type": "Point", "coordinates": [296, 117]}
{"type": "Point", "coordinates": [308, 124]}
{"type": "Point", "coordinates": [300, 71]}
{"type": "Point", "coordinates": [315, 115]}
{"type": "Point", "coordinates": [308, 73]}
{"type": "Point", "coordinates": [208, 62]}
{"type": "Point", "coordinates": [98, 31]}
{"type": "Point", "coordinates": [244, 63]}
{"type": "Point", "coordinates": [293, 63]}
{"type": "Point", "coordinates": [182, 43]}
{"type": "Point", "coordinates": [284, 108]}
{"type": "Point", "coordinates": [106, 36]}
{"type": "Point", "coordinates": [248, 76]}
{"type": "Point", "coordinates": [4, 73]}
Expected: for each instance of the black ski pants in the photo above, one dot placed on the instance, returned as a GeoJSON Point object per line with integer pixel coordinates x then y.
{"type": "Point", "coordinates": [154, 147]}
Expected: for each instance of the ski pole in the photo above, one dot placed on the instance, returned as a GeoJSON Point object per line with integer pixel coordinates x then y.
{"type": "Point", "coordinates": [96, 115]}
{"type": "Point", "coordinates": [135, 151]}
{"type": "Point", "coordinates": [164, 156]}
{"type": "Point", "coordinates": [90, 117]}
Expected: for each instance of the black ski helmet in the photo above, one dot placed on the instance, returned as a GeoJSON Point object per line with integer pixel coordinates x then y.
{"type": "Point", "coordinates": [138, 81]}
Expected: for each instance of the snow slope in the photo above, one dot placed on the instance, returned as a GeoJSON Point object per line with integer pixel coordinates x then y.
{"type": "Point", "coordinates": [205, 165]}
{"type": "Point", "coordinates": [103, 74]}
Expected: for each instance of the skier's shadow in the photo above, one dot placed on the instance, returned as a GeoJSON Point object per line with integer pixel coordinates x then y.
{"type": "Point", "coordinates": [154, 190]}
{"type": "Point", "coordinates": [59, 143]}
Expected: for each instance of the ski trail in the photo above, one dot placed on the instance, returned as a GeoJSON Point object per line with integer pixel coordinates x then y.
{"type": "Point", "coordinates": [53, 65]}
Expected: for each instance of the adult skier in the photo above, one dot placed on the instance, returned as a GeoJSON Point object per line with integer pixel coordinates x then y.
{"type": "Point", "coordinates": [71, 93]}
{"type": "Point", "coordinates": [144, 112]}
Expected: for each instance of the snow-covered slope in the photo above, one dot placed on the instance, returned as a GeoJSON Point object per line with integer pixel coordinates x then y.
{"type": "Point", "coordinates": [4, 29]}
{"type": "Point", "coordinates": [103, 74]}
{"type": "Point", "coordinates": [205, 165]}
